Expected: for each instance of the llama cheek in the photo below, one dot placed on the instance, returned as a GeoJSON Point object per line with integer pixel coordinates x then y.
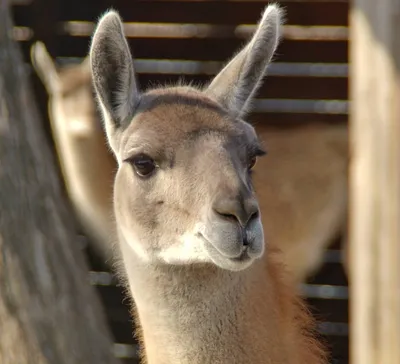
{"type": "Point", "coordinates": [136, 246]}
{"type": "Point", "coordinates": [187, 250]}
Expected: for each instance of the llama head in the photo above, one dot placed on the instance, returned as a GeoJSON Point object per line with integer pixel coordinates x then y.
{"type": "Point", "coordinates": [183, 192]}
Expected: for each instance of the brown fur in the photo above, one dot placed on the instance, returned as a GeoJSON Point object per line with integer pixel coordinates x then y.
{"type": "Point", "coordinates": [271, 291]}
{"type": "Point", "coordinates": [298, 324]}
{"type": "Point", "coordinates": [302, 189]}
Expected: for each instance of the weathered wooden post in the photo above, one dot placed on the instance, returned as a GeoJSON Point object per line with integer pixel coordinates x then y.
{"type": "Point", "coordinates": [375, 181]}
{"type": "Point", "coordinates": [49, 314]}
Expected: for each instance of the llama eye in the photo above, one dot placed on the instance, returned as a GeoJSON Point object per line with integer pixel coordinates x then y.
{"type": "Point", "coordinates": [143, 165]}
{"type": "Point", "coordinates": [252, 163]}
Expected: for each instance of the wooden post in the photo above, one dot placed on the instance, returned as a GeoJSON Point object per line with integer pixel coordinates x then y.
{"type": "Point", "coordinates": [375, 182]}
{"type": "Point", "coordinates": [49, 313]}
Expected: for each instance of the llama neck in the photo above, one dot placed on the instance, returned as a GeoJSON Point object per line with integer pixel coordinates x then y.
{"type": "Point", "coordinates": [207, 315]}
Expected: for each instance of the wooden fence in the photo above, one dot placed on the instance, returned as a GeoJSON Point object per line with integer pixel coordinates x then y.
{"type": "Point", "coordinates": [307, 84]}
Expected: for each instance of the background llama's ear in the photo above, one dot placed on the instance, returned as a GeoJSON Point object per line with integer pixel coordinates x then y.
{"type": "Point", "coordinates": [45, 67]}
{"type": "Point", "coordinates": [237, 83]}
{"type": "Point", "coordinates": [113, 74]}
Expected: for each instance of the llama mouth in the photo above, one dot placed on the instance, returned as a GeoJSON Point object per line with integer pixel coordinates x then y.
{"type": "Point", "coordinates": [242, 258]}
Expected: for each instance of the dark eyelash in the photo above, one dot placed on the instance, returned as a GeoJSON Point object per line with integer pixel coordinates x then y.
{"type": "Point", "coordinates": [260, 152]}
{"type": "Point", "coordinates": [257, 151]}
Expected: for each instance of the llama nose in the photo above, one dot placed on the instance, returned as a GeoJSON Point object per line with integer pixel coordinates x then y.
{"type": "Point", "coordinates": [237, 210]}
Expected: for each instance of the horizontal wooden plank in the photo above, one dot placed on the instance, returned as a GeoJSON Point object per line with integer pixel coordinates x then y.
{"type": "Point", "coordinates": [325, 291]}
{"type": "Point", "coordinates": [338, 329]}
{"type": "Point", "coordinates": [278, 119]}
{"type": "Point", "coordinates": [207, 49]}
{"type": "Point", "coordinates": [209, 68]}
{"type": "Point", "coordinates": [191, 31]}
{"type": "Point", "coordinates": [126, 351]}
{"type": "Point", "coordinates": [217, 12]}
{"type": "Point", "coordinates": [195, 30]}
{"type": "Point", "coordinates": [278, 94]}
{"type": "Point", "coordinates": [274, 87]}
{"type": "Point", "coordinates": [301, 106]}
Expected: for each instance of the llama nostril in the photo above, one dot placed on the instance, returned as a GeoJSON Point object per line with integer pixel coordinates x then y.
{"type": "Point", "coordinates": [229, 217]}
{"type": "Point", "coordinates": [237, 211]}
{"type": "Point", "coordinates": [254, 215]}
{"type": "Point", "coordinates": [245, 238]}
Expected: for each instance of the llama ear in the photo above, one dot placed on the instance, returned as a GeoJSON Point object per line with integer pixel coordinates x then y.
{"type": "Point", "coordinates": [236, 84]}
{"type": "Point", "coordinates": [45, 68]}
{"type": "Point", "coordinates": [113, 74]}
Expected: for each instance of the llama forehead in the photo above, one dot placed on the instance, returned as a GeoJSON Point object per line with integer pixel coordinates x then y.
{"type": "Point", "coordinates": [171, 118]}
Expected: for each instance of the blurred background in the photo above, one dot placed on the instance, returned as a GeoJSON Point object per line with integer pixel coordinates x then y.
{"type": "Point", "coordinates": [301, 112]}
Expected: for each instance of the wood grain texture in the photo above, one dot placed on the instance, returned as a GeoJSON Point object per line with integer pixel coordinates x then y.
{"type": "Point", "coordinates": [48, 311]}
{"type": "Point", "coordinates": [375, 182]}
